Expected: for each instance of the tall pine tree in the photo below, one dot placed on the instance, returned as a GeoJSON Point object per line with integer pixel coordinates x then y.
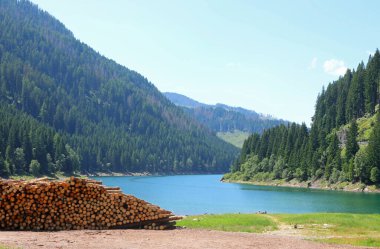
{"type": "Point", "coordinates": [355, 98]}
{"type": "Point", "coordinates": [352, 145]}
{"type": "Point", "coordinates": [373, 151]}
{"type": "Point", "coordinates": [371, 82]}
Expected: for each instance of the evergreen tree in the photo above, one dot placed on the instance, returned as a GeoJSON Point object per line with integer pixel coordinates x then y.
{"type": "Point", "coordinates": [374, 150]}
{"type": "Point", "coordinates": [343, 88]}
{"type": "Point", "coordinates": [371, 82]}
{"type": "Point", "coordinates": [35, 168]}
{"type": "Point", "coordinates": [4, 170]}
{"type": "Point", "coordinates": [375, 175]}
{"type": "Point", "coordinates": [355, 98]}
{"type": "Point", "coordinates": [333, 156]}
{"type": "Point", "coordinates": [352, 145]}
{"type": "Point", "coordinates": [20, 160]}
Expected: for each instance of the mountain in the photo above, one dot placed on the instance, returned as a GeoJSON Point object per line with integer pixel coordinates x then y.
{"type": "Point", "coordinates": [65, 107]}
{"type": "Point", "coordinates": [182, 100]}
{"type": "Point", "coordinates": [234, 124]}
{"type": "Point", "coordinates": [342, 145]}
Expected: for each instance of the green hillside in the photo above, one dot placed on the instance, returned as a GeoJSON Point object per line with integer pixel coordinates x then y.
{"type": "Point", "coordinates": [67, 108]}
{"type": "Point", "coordinates": [342, 145]}
{"type": "Point", "coordinates": [235, 138]}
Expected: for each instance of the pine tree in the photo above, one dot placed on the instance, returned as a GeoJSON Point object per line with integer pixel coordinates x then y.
{"type": "Point", "coordinates": [373, 149]}
{"type": "Point", "coordinates": [352, 145]}
{"type": "Point", "coordinates": [344, 86]}
{"type": "Point", "coordinates": [35, 167]}
{"type": "Point", "coordinates": [371, 81]}
{"type": "Point", "coordinates": [333, 156]}
{"type": "Point", "coordinates": [4, 170]}
{"type": "Point", "coordinates": [355, 98]}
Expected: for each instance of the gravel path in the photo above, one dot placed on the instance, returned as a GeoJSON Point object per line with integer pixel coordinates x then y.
{"type": "Point", "coordinates": [135, 239]}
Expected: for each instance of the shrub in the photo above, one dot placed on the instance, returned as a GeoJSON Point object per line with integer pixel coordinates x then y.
{"type": "Point", "coordinates": [375, 175]}
{"type": "Point", "coordinates": [35, 167]}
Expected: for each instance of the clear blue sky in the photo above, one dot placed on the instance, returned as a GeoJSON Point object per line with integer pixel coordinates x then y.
{"type": "Point", "coordinates": [269, 56]}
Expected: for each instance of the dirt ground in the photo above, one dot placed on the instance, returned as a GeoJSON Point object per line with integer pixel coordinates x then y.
{"type": "Point", "coordinates": [136, 239]}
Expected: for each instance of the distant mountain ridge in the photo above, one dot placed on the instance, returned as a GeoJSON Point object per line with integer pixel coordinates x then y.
{"type": "Point", "coordinates": [224, 118]}
{"type": "Point", "coordinates": [182, 100]}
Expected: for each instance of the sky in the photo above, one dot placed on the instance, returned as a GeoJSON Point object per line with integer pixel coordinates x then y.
{"type": "Point", "coordinates": [271, 56]}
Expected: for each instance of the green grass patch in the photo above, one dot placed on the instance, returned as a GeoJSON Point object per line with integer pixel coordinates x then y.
{"type": "Point", "coordinates": [365, 127]}
{"type": "Point", "coordinates": [335, 224]}
{"type": "Point", "coordinates": [58, 175]}
{"type": "Point", "coordinates": [337, 228]}
{"type": "Point", "coordinates": [22, 177]}
{"type": "Point", "coordinates": [373, 242]}
{"type": "Point", "coordinates": [6, 247]}
{"type": "Point", "coordinates": [231, 222]}
{"type": "Point", "coordinates": [235, 138]}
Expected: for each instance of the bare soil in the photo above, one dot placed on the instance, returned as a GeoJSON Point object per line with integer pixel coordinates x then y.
{"type": "Point", "coordinates": [136, 239]}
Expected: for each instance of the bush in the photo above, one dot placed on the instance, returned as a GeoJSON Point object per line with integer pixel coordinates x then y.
{"type": "Point", "coordinates": [360, 166]}
{"type": "Point", "coordinates": [375, 175]}
{"type": "Point", "coordinates": [301, 174]}
{"type": "Point", "coordinates": [35, 167]}
{"type": "Point", "coordinates": [343, 177]}
{"type": "Point", "coordinates": [263, 177]}
{"type": "Point", "coordinates": [4, 168]}
{"type": "Point", "coordinates": [318, 174]}
{"type": "Point", "coordinates": [278, 168]}
{"type": "Point", "coordinates": [335, 175]}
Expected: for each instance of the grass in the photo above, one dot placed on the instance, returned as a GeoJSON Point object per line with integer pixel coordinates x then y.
{"type": "Point", "coordinates": [353, 229]}
{"type": "Point", "coordinates": [6, 247]}
{"type": "Point", "coordinates": [58, 175]}
{"type": "Point", "coordinates": [335, 224]}
{"type": "Point", "coordinates": [373, 242]}
{"type": "Point", "coordinates": [231, 222]}
{"type": "Point", "coordinates": [235, 138]}
{"type": "Point", "coordinates": [365, 127]}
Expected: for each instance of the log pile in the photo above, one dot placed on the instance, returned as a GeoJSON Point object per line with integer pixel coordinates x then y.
{"type": "Point", "coordinates": [75, 203]}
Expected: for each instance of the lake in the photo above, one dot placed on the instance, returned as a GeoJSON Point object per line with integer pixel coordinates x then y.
{"type": "Point", "coordinates": [199, 194]}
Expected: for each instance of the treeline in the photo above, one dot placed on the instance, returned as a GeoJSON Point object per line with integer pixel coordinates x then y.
{"type": "Point", "coordinates": [224, 118]}
{"type": "Point", "coordinates": [327, 150]}
{"type": "Point", "coordinates": [31, 147]}
{"type": "Point", "coordinates": [221, 119]}
{"type": "Point", "coordinates": [81, 111]}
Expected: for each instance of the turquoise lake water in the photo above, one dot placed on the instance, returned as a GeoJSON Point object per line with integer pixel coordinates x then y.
{"type": "Point", "coordinates": [199, 194]}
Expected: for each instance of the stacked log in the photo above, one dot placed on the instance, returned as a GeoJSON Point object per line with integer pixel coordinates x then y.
{"type": "Point", "coordinates": [74, 203]}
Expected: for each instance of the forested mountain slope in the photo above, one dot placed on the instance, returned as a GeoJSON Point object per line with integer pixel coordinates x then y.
{"type": "Point", "coordinates": [224, 118]}
{"type": "Point", "coordinates": [66, 108]}
{"type": "Point", "coordinates": [342, 145]}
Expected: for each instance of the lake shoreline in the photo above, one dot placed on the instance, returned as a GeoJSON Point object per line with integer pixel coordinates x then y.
{"type": "Point", "coordinates": [118, 174]}
{"type": "Point", "coordinates": [101, 174]}
{"type": "Point", "coordinates": [60, 175]}
{"type": "Point", "coordinates": [345, 186]}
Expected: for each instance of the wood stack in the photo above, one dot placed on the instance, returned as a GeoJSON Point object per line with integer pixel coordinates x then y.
{"type": "Point", "coordinates": [42, 204]}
